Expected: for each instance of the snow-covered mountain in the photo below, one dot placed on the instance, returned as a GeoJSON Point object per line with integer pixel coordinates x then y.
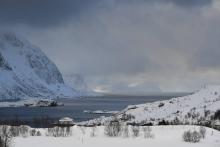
{"type": "Point", "coordinates": [26, 72]}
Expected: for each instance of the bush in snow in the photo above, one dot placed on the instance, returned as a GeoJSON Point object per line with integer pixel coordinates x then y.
{"type": "Point", "coordinates": [136, 131]}
{"type": "Point", "coordinates": [38, 133]}
{"type": "Point", "coordinates": [217, 115]}
{"type": "Point", "coordinates": [59, 132]}
{"type": "Point", "coordinates": [5, 136]}
{"type": "Point", "coordinates": [127, 117]}
{"type": "Point", "coordinates": [207, 113]}
{"type": "Point", "coordinates": [15, 131]}
{"type": "Point", "coordinates": [23, 131]}
{"type": "Point", "coordinates": [193, 137]}
{"type": "Point", "coordinates": [93, 131]}
{"type": "Point", "coordinates": [161, 104]}
{"type": "Point", "coordinates": [125, 131]}
{"type": "Point", "coordinates": [163, 122]}
{"type": "Point", "coordinates": [202, 131]}
{"type": "Point", "coordinates": [148, 132]}
{"type": "Point", "coordinates": [176, 121]}
{"type": "Point", "coordinates": [55, 132]}
{"type": "Point", "coordinates": [34, 132]}
{"type": "Point", "coordinates": [196, 136]}
{"type": "Point", "coordinates": [83, 130]}
{"type": "Point", "coordinates": [113, 129]}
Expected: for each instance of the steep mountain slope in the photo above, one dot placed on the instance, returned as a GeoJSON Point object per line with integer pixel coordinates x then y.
{"type": "Point", "coordinates": [26, 72]}
{"type": "Point", "coordinates": [194, 108]}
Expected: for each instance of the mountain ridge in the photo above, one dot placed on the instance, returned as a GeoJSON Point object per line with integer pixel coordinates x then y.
{"type": "Point", "coordinates": [26, 72]}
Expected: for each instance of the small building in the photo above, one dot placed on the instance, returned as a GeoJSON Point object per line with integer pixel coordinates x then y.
{"type": "Point", "coordinates": [66, 121]}
{"type": "Point", "coordinates": [217, 123]}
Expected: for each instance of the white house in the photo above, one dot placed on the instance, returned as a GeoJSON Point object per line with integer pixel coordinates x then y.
{"type": "Point", "coordinates": [217, 123]}
{"type": "Point", "coordinates": [66, 121]}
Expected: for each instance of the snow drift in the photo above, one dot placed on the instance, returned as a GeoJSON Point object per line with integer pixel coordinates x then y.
{"type": "Point", "coordinates": [26, 72]}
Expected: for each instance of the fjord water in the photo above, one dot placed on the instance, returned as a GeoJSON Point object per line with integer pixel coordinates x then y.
{"type": "Point", "coordinates": [74, 108]}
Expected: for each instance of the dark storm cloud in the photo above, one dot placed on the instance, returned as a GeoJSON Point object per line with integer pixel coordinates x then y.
{"type": "Point", "coordinates": [191, 3]}
{"type": "Point", "coordinates": [44, 13]}
{"type": "Point", "coordinates": [181, 3]}
{"type": "Point", "coordinates": [124, 45]}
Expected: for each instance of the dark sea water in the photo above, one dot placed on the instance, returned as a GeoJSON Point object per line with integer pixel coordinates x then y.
{"type": "Point", "coordinates": [74, 108]}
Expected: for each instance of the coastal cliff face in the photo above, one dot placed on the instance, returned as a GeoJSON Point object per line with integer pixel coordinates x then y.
{"type": "Point", "coordinates": [26, 72]}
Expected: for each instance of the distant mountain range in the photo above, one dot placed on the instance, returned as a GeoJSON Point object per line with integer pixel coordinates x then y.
{"type": "Point", "coordinates": [26, 72]}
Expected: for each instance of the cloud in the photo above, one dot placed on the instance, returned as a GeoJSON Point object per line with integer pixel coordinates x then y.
{"type": "Point", "coordinates": [191, 3]}
{"type": "Point", "coordinates": [125, 45]}
{"type": "Point", "coordinates": [42, 13]}
{"type": "Point", "coordinates": [47, 13]}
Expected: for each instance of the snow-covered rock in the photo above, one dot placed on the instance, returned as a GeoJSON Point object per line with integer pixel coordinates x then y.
{"type": "Point", "coordinates": [26, 72]}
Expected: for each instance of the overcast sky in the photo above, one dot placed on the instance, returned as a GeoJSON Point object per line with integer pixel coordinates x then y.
{"type": "Point", "coordinates": [122, 46]}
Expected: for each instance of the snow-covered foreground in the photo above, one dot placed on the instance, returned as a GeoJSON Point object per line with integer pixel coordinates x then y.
{"type": "Point", "coordinates": [164, 136]}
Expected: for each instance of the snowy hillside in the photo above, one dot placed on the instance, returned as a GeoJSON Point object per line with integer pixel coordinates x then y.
{"type": "Point", "coordinates": [197, 108]}
{"type": "Point", "coordinates": [194, 108]}
{"type": "Point", "coordinates": [26, 72]}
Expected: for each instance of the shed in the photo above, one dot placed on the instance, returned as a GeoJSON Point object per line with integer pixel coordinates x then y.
{"type": "Point", "coordinates": [217, 123]}
{"type": "Point", "coordinates": [66, 121]}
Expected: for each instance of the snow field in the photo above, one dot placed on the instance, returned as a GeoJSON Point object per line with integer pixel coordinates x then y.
{"type": "Point", "coordinates": [164, 136]}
